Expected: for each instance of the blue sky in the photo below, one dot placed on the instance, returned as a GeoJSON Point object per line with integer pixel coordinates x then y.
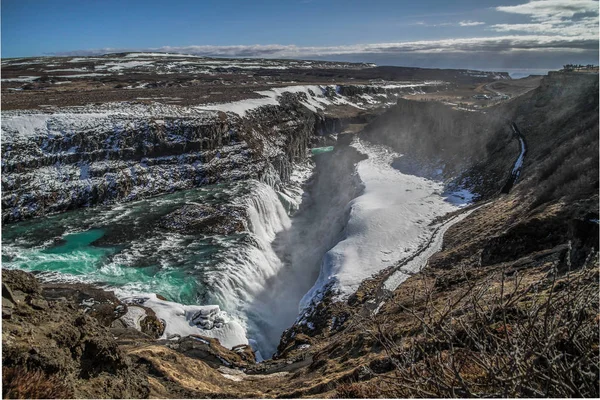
{"type": "Point", "coordinates": [426, 33]}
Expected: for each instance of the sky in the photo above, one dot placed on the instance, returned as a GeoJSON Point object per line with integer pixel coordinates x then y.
{"type": "Point", "coordinates": [481, 34]}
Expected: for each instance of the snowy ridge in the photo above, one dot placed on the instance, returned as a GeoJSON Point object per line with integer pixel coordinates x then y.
{"type": "Point", "coordinates": [317, 97]}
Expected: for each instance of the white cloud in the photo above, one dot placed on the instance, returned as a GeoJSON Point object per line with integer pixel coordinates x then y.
{"type": "Point", "coordinates": [505, 44]}
{"type": "Point", "coordinates": [555, 27]}
{"type": "Point", "coordinates": [470, 23]}
{"type": "Point", "coordinates": [551, 9]}
{"type": "Point", "coordinates": [461, 23]}
{"type": "Point", "coordinates": [577, 18]}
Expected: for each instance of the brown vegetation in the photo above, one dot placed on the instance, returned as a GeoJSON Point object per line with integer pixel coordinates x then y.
{"type": "Point", "coordinates": [507, 336]}
{"type": "Point", "coordinates": [19, 383]}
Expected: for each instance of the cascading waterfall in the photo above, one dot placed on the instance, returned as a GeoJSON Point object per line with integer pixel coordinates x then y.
{"type": "Point", "coordinates": [242, 273]}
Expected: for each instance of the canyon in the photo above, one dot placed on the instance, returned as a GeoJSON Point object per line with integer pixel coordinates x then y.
{"type": "Point", "coordinates": [264, 228]}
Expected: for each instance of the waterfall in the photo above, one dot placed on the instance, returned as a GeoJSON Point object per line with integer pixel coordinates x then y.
{"type": "Point", "coordinates": [266, 214]}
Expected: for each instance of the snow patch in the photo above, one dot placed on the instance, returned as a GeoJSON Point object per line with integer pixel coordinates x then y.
{"type": "Point", "coordinates": [184, 320]}
{"type": "Point", "coordinates": [519, 162]}
{"type": "Point", "coordinates": [134, 317]}
{"type": "Point", "coordinates": [419, 260]}
{"type": "Point", "coordinates": [21, 79]}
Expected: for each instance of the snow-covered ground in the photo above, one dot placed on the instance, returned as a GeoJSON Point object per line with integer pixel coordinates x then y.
{"type": "Point", "coordinates": [390, 221]}
{"type": "Point", "coordinates": [419, 260]}
{"type": "Point", "coordinates": [183, 320]}
{"type": "Point", "coordinates": [21, 79]}
{"type": "Point", "coordinates": [121, 115]}
{"type": "Point", "coordinates": [315, 99]}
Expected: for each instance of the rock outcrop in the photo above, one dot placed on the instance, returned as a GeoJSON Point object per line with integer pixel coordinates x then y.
{"type": "Point", "coordinates": [51, 339]}
{"type": "Point", "coordinates": [66, 341]}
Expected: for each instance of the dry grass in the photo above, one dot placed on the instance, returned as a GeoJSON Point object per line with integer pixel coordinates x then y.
{"type": "Point", "coordinates": [357, 391]}
{"type": "Point", "coordinates": [20, 383]}
{"type": "Point", "coordinates": [169, 370]}
{"type": "Point", "coordinates": [506, 336]}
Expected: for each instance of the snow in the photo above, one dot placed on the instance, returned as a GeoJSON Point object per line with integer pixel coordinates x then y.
{"type": "Point", "coordinates": [461, 197]}
{"type": "Point", "coordinates": [83, 59]}
{"type": "Point", "coordinates": [401, 85]}
{"type": "Point", "coordinates": [241, 107]}
{"type": "Point", "coordinates": [67, 70]}
{"type": "Point", "coordinates": [519, 162]}
{"type": "Point", "coordinates": [21, 79]}
{"type": "Point", "coordinates": [368, 98]}
{"type": "Point", "coordinates": [314, 95]}
{"type": "Point", "coordinates": [133, 317]}
{"type": "Point", "coordinates": [248, 66]}
{"type": "Point", "coordinates": [418, 260]}
{"type": "Point", "coordinates": [118, 66]}
{"type": "Point", "coordinates": [315, 98]}
{"type": "Point", "coordinates": [24, 125]}
{"type": "Point", "coordinates": [388, 222]}
{"type": "Point", "coordinates": [83, 75]}
{"type": "Point", "coordinates": [183, 320]}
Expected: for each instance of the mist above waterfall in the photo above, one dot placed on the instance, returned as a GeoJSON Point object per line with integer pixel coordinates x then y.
{"type": "Point", "coordinates": [315, 228]}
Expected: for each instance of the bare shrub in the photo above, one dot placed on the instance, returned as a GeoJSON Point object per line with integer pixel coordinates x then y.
{"type": "Point", "coordinates": [355, 390]}
{"type": "Point", "coordinates": [501, 338]}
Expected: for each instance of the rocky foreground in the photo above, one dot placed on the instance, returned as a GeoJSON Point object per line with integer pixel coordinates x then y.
{"type": "Point", "coordinates": [508, 307]}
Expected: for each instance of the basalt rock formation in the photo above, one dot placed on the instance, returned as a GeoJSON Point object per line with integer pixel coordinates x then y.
{"type": "Point", "coordinates": [123, 152]}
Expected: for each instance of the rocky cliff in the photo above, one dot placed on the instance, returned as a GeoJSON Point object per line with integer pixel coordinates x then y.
{"type": "Point", "coordinates": [85, 156]}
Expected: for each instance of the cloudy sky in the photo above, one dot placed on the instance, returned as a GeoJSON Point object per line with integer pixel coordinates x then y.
{"type": "Point", "coordinates": [499, 35]}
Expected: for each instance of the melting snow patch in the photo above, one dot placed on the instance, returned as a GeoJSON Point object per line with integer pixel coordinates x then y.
{"type": "Point", "coordinates": [133, 317]}
{"type": "Point", "coordinates": [460, 198]}
{"type": "Point", "coordinates": [83, 75]}
{"type": "Point", "coordinates": [315, 100]}
{"type": "Point", "coordinates": [519, 162]}
{"type": "Point", "coordinates": [419, 258]}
